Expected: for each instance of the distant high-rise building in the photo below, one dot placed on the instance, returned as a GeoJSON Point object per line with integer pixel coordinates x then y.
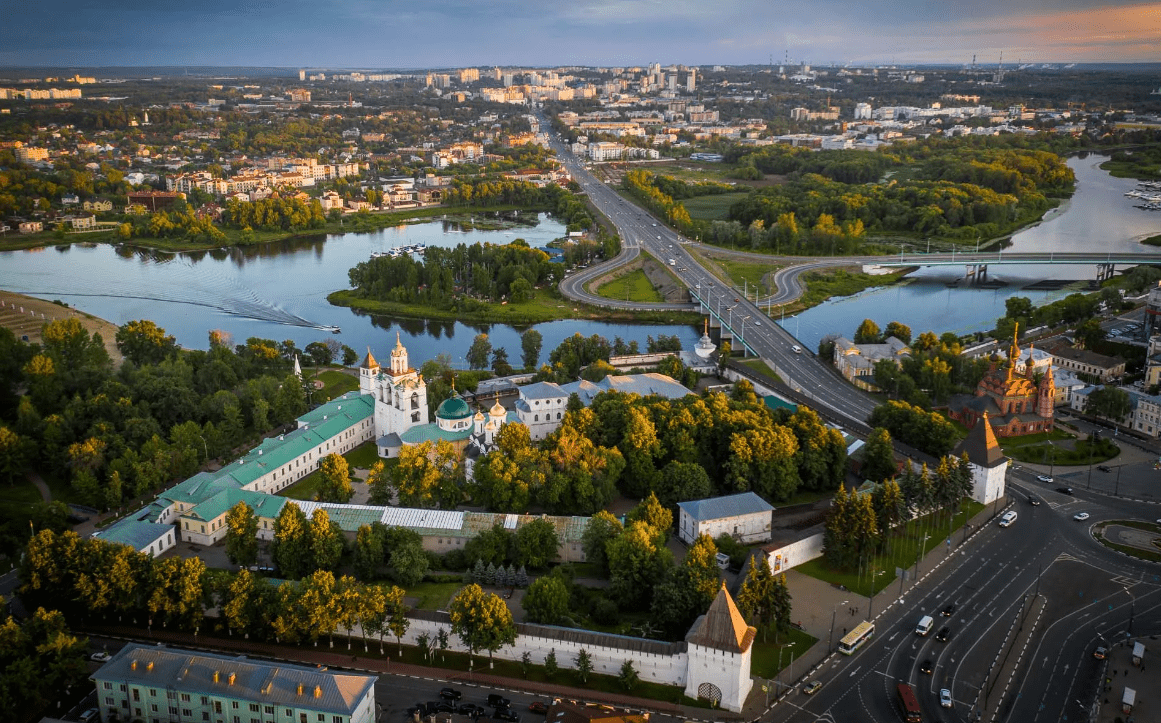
{"type": "Point", "coordinates": [509, 79]}
{"type": "Point", "coordinates": [673, 81]}
{"type": "Point", "coordinates": [863, 111]}
{"type": "Point", "coordinates": [691, 81]}
{"type": "Point", "coordinates": [301, 74]}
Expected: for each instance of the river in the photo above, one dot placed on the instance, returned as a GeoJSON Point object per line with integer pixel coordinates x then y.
{"type": "Point", "coordinates": [278, 291]}
{"type": "Point", "coordinates": [1097, 217]}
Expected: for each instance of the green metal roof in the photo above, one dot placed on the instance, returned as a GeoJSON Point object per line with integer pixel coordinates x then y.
{"type": "Point", "coordinates": [135, 533]}
{"type": "Point", "coordinates": [432, 433]}
{"type": "Point", "coordinates": [264, 505]}
{"type": "Point", "coordinates": [453, 408]}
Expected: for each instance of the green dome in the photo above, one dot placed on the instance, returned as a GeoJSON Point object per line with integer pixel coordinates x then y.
{"type": "Point", "coordinates": [453, 408]}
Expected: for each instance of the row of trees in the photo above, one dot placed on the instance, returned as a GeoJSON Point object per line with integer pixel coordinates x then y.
{"type": "Point", "coordinates": [859, 524]}
{"type": "Point", "coordinates": [926, 431]}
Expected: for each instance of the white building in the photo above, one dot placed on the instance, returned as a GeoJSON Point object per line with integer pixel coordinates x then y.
{"type": "Point", "coordinates": [987, 462]}
{"type": "Point", "coordinates": [400, 396]}
{"type": "Point", "coordinates": [719, 648]}
{"type": "Point", "coordinates": [541, 406]}
{"type": "Point", "coordinates": [863, 111]}
{"type": "Point", "coordinates": [746, 517]}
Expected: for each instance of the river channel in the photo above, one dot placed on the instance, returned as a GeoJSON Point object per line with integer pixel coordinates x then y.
{"type": "Point", "coordinates": [1098, 217]}
{"type": "Point", "coordinates": [278, 291]}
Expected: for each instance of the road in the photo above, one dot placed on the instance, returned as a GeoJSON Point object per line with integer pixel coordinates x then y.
{"type": "Point", "coordinates": [1032, 602]}
{"type": "Point", "coordinates": [640, 231]}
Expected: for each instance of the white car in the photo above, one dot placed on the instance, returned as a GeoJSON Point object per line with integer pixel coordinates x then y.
{"type": "Point", "coordinates": [1080, 516]}
{"type": "Point", "coordinates": [1044, 478]}
{"type": "Point", "coordinates": [796, 349]}
{"type": "Point", "coordinates": [100, 657]}
{"type": "Point", "coordinates": [945, 697]}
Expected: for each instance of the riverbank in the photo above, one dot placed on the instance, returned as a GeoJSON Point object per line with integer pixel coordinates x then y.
{"type": "Point", "coordinates": [546, 305]}
{"type": "Point", "coordinates": [25, 316]}
{"type": "Point", "coordinates": [237, 238]}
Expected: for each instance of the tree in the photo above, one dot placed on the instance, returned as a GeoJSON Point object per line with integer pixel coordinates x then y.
{"type": "Point", "coordinates": [481, 620]}
{"type": "Point", "coordinates": [325, 541]}
{"type": "Point", "coordinates": [143, 342]}
{"type": "Point", "coordinates": [879, 456]}
{"type": "Point", "coordinates": [1108, 402]}
{"type": "Point", "coordinates": [336, 479]}
{"type": "Point", "coordinates": [756, 594]}
{"type": "Point", "coordinates": [902, 332]}
{"type": "Point", "coordinates": [407, 562]}
{"type": "Point", "coordinates": [584, 665]}
{"type": "Point", "coordinates": [379, 483]}
{"type": "Point", "coordinates": [416, 478]}
{"type": "Point", "coordinates": [530, 344]}
{"type": "Point", "coordinates": [551, 668]}
{"type": "Point", "coordinates": [290, 549]}
{"type": "Point", "coordinates": [650, 511]}
{"type": "Point", "coordinates": [12, 455]}
{"type": "Point", "coordinates": [628, 677]}
{"type": "Point", "coordinates": [546, 601]}
{"type": "Point", "coordinates": [500, 363]}
{"type": "Point", "coordinates": [868, 333]}
{"type": "Point", "coordinates": [535, 544]}
{"type": "Point", "coordinates": [319, 353]}
{"type": "Point", "coordinates": [1090, 333]}
{"type": "Point", "coordinates": [368, 552]}
{"type": "Point", "coordinates": [638, 560]}
{"type": "Point", "coordinates": [479, 352]}
{"type": "Point", "coordinates": [602, 529]}
{"type": "Point", "coordinates": [242, 535]}
{"type": "Point", "coordinates": [681, 481]}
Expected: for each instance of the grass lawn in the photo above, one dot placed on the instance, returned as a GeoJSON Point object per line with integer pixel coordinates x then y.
{"type": "Point", "coordinates": [806, 497]}
{"type": "Point", "coordinates": [740, 274]}
{"type": "Point", "coordinates": [433, 595]}
{"type": "Point", "coordinates": [17, 499]}
{"type": "Point", "coordinates": [1035, 448]}
{"type": "Point", "coordinates": [1137, 552]}
{"type": "Point", "coordinates": [633, 286]}
{"type": "Point", "coordinates": [1153, 240]}
{"type": "Point", "coordinates": [304, 489]}
{"type": "Point", "coordinates": [760, 366]}
{"type": "Point", "coordinates": [711, 208]}
{"type": "Point", "coordinates": [546, 305]}
{"type": "Point", "coordinates": [765, 659]}
{"type": "Point", "coordinates": [335, 383]}
{"type": "Point", "coordinates": [904, 547]}
{"type": "Point", "coordinates": [363, 456]}
{"type": "Point", "coordinates": [827, 283]}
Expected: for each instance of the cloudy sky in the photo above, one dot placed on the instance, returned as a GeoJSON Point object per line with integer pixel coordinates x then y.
{"type": "Point", "coordinates": [448, 33]}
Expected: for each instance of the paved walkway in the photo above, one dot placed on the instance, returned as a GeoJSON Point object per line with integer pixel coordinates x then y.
{"type": "Point", "coordinates": [41, 485]}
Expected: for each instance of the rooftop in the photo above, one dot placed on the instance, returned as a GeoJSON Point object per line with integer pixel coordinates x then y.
{"type": "Point", "coordinates": [715, 508]}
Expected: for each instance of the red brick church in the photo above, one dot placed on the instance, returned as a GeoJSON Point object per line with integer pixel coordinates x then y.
{"type": "Point", "coordinates": [1013, 402]}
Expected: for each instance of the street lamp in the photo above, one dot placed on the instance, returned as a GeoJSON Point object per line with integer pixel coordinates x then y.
{"type": "Point", "coordinates": [742, 336]}
{"type": "Point", "coordinates": [919, 555]}
{"type": "Point", "coordinates": [833, 615]}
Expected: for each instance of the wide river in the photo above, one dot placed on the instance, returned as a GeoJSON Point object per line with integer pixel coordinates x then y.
{"type": "Point", "coordinates": [278, 291]}
{"type": "Point", "coordinates": [1098, 217]}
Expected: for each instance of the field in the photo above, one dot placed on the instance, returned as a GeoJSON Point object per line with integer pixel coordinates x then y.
{"type": "Point", "coordinates": [777, 650]}
{"type": "Point", "coordinates": [633, 286]}
{"type": "Point", "coordinates": [760, 366]}
{"type": "Point", "coordinates": [335, 383]}
{"type": "Point", "coordinates": [712, 208]}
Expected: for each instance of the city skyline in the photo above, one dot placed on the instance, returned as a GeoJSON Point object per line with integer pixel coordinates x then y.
{"type": "Point", "coordinates": [356, 33]}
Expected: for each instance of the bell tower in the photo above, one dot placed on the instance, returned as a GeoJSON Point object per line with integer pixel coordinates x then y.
{"type": "Point", "coordinates": [399, 365]}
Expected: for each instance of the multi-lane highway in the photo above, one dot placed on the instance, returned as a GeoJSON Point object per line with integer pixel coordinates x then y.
{"type": "Point", "coordinates": [640, 231]}
{"type": "Point", "coordinates": [1032, 601]}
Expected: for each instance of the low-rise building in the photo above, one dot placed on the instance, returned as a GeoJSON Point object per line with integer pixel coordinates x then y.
{"type": "Point", "coordinates": [153, 200]}
{"type": "Point", "coordinates": [1097, 366]}
{"type": "Point", "coordinates": [98, 205]}
{"type": "Point", "coordinates": [746, 517]}
{"type": "Point", "coordinates": [856, 362]}
{"type": "Point", "coordinates": [156, 683]}
{"type": "Point", "coordinates": [31, 226]}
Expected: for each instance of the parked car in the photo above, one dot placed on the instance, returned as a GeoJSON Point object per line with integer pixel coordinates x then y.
{"type": "Point", "coordinates": [440, 707]}
{"type": "Point", "coordinates": [471, 710]}
{"type": "Point", "coordinates": [1080, 516]}
{"type": "Point", "coordinates": [812, 687]}
{"type": "Point", "coordinates": [505, 714]}
{"type": "Point", "coordinates": [537, 706]}
{"type": "Point", "coordinates": [450, 694]}
{"type": "Point", "coordinates": [926, 667]}
{"type": "Point", "coordinates": [101, 657]}
{"type": "Point", "coordinates": [498, 701]}
{"type": "Point", "coordinates": [89, 715]}
{"type": "Point", "coordinates": [1104, 468]}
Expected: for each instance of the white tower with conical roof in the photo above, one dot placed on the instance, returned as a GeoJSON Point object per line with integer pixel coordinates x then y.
{"type": "Point", "coordinates": [400, 393]}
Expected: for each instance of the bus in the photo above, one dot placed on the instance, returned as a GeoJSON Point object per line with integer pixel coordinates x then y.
{"type": "Point", "coordinates": [854, 640]}
{"type": "Point", "coordinates": [909, 704]}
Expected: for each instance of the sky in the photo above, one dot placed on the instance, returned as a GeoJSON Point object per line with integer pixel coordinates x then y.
{"type": "Point", "coordinates": [457, 33]}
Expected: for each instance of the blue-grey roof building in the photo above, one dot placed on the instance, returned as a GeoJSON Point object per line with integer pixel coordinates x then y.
{"type": "Point", "coordinates": [746, 517]}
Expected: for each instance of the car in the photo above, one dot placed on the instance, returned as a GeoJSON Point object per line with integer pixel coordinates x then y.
{"type": "Point", "coordinates": [440, 707]}
{"type": "Point", "coordinates": [796, 349]}
{"type": "Point", "coordinates": [1104, 468]}
{"type": "Point", "coordinates": [944, 634]}
{"type": "Point", "coordinates": [101, 657]}
{"type": "Point", "coordinates": [1080, 516]}
{"type": "Point", "coordinates": [1064, 490]}
{"type": "Point", "coordinates": [926, 667]}
{"type": "Point", "coordinates": [948, 610]}
{"type": "Point", "coordinates": [1033, 500]}
{"type": "Point", "coordinates": [1044, 478]}
{"type": "Point", "coordinates": [1100, 653]}
{"type": "Point", "coordinates": [505, 714]}
{"type": "Point", "coordinates": [539, 707]}
{"type": "Point", "coordinates": [945, 697]}
{"type": "Point", "coordinates": [736, 299]}
{"type": "Point", "coordinates": [450, 694]}
{"type": "Point", "coordinates": [498, 701]}
{"type": "Point", "coordinates": [812, 687]}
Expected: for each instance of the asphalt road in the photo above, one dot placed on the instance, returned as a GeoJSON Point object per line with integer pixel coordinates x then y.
{"type": "Point", "coordinates": [640, 231]}
{"type": "Point", "coordinates": [1009, 657]}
